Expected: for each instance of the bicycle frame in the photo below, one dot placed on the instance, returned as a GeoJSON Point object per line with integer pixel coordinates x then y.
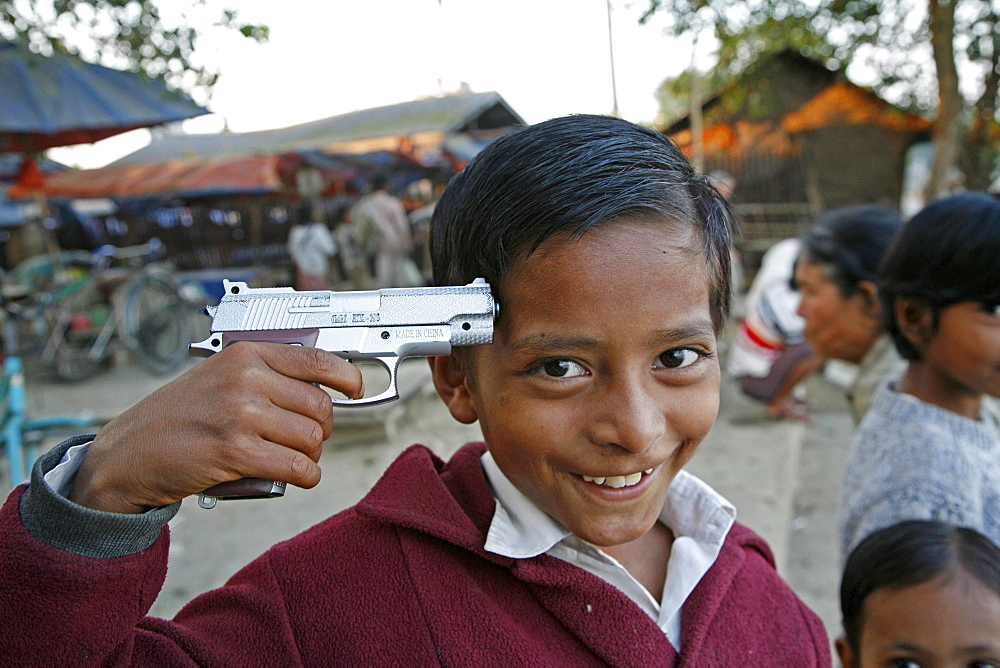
{"type": "Point", "coordinates": [21, 434]}
{"type": "Point", "coordinates": [98, 350]}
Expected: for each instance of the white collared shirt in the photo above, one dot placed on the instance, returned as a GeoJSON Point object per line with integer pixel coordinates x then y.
{"type": "Point", "coordinates": [698, 516]}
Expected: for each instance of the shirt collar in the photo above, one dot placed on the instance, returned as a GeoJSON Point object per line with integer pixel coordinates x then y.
{"type": "Point", "coordinates": [519, 529]}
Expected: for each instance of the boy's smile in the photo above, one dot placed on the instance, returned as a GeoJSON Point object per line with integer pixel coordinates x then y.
{"type": "Point", "coordinates": [602, 379]}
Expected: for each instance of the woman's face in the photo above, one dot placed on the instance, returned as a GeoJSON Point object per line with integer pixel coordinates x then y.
{"type": "Point", "coordinates": [837, 327]}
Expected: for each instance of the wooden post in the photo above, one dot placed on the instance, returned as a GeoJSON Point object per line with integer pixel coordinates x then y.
{"type": "Point", "coordinates": [256, 228]}
{"type": "Point", "coordinates": [697, 121]}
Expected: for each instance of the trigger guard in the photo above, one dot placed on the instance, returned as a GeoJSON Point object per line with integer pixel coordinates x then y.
{"type": "Point", "coordinates": [391, 393]}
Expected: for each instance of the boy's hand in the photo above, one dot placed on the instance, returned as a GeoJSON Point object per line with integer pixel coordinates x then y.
{"type": "Point", "coordinates": [249, 410]}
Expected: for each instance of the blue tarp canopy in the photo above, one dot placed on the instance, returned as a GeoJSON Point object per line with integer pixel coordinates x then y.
{"type": "Point", "coordinates": [60, 100]}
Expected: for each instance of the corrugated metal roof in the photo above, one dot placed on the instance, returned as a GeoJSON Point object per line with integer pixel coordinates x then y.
{"type": "Point", "coordinates": [450, 114]}
{"type": "Point", "coordinates": [60, 100]}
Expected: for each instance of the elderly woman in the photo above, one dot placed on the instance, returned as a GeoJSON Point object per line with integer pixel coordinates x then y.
{"type": "Point", "coordinates": [836, 274]}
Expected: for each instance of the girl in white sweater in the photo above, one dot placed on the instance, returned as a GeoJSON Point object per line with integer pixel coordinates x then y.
{"type": "Point", "coordinates": [929, 448]}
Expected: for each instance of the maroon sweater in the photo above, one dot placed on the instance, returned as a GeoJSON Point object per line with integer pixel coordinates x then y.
{"type": "Point", "coordinates": [399, 579]}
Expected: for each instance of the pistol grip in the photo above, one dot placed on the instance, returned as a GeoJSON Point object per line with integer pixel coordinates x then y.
{"type": "Point", "coordinates": [247, 488]}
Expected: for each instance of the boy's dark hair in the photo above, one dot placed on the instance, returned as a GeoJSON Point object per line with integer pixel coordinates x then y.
{"type": "Point", "coordinates": [568, 175]}
{"type": "Point", "coordinates": [849, 244]}
{"type": "Point", "coordinates": [910, 553]}
{"type": "Point", "coordinates": [948, 252]}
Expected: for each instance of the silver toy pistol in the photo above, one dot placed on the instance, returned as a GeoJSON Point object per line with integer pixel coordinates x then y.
{"type": "Point", "coordinates": [380, 326]}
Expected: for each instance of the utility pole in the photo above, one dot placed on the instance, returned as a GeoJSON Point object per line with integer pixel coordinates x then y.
{"type": "Point", "coordinates": [611, 49]}
{"type": "Point", "coordinates": [697, 134]}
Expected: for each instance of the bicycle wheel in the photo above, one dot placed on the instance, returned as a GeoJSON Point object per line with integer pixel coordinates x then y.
{"type": "Point", "coordinates": [78, 340]}
{"type": "Point", "coordinates": [154, 322]}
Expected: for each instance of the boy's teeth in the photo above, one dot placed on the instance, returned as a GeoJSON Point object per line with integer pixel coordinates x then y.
{"type": "Point", "coordinates": [617, 481]}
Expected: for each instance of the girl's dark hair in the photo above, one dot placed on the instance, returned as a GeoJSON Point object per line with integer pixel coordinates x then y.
{"type": "Point", "coordinates": [948, 252]}
{"type": "Point", "coordinates": [849, 244]}
{"type": "Point", "coordinates": [568, 175]}
{"type": "Point", "coordinates": [907, 554]}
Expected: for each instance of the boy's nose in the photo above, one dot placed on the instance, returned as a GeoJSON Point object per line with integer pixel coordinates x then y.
{"type": "Point", "coordinates": [629, 416]}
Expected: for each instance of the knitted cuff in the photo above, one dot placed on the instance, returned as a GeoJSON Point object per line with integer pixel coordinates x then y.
{"type": "Point", "coordinates": [64, 525]}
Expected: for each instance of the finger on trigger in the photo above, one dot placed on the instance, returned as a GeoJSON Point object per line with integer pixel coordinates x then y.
{"type": "Point", "coordinates": [316, 366]}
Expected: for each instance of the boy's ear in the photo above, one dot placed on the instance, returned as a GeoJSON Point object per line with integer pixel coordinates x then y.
{"type": "Point", "coordinates": [915, 320]}
{"type": "Point", "coordinates": [845, 653]}
{"type": "Point", "coordinates": [451, 380]}
{"type": "Point", "coordinates": [868, 294]}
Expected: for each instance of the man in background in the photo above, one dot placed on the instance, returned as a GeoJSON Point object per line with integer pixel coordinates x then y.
{"type": "Point", "coordinates": [384, 237]}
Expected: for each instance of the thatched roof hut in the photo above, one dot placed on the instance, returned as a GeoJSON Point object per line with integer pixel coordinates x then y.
{"type": "Point", "coordinates": [800, 138]}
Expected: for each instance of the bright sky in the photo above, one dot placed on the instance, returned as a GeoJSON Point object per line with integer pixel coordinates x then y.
{"type": "Point", "coordinates": [546, 58]}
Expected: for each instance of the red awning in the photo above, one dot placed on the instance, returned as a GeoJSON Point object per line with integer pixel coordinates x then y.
{"type": "Point", "coordinates": [195, 177]}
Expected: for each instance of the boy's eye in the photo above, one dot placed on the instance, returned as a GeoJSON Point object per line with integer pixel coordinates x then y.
{"type": "Point", "coordinates": [560, 368]}
{"type": "Point", "coordinates": [678, 358]}
{"type": "Point", "coordinates": [904, 663]}
{"type": "Point", "coordinates": [992, 308]}
{"type": "Point", "coordinates": [982, 664]}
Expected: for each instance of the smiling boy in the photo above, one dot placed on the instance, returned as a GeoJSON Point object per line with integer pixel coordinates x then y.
{"type": "Point", "coordinates": [571, 536]}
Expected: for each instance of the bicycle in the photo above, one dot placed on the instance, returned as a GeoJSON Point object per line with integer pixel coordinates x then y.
{"type": "Point", "coordinates": [125, 295]}
{"type": "Point", "coordinates": [21, 435]}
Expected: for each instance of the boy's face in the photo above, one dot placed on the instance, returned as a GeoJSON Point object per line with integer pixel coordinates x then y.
{"type": "Point", "coordinates": [602, 379]}
{"type": "Point", "coordinates": [949, 621]}
{"type": "Point", "coordinates": [962, 357]}
{"type": "Point", "coordinates": [836, 328]}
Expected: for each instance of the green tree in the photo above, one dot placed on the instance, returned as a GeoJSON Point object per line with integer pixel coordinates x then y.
{"type": "Point", "coordinates": [914, 51]}
{"type": "Point", "coordinates": [154, 37]}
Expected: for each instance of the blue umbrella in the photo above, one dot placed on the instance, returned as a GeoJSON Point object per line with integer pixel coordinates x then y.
{"type": "Point", "coordinates": [60, 100]}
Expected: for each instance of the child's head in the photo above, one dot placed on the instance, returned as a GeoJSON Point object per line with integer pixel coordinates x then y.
{"type": "Point", "coordinates": [610, 259]}
{"type": "Point", "coordinates": [946, 254]}
{"type": "Point", "coordinates": [921, 593]}
{"type": "Point", "coordinates": [568, 175]}
{"type": "Point", "coordinates": [835, 275]}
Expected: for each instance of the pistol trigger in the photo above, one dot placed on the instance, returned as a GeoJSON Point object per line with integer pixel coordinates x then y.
{"type": "Point", "coordinates": [391, 393]}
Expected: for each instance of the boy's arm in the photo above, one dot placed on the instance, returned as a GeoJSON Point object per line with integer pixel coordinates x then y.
{"type": "Point", "coordinates": [52, 519]}
{"type": "Point", "coordinates": [78, 582]}
{"type": "Point", "coordinates": [63, 608]}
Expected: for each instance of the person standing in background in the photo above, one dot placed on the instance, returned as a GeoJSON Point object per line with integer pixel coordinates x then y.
{"type": "Point", "coordinates": [384, 238]}
{"type": "Point", "coordinates": [311, 246]}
